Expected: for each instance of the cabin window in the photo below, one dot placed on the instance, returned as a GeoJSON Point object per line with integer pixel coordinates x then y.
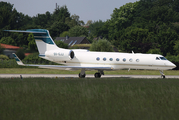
{"type": "Point", "coordinates": [157, 58]}
{"type": "Point", "coordinates": [163, 58]}
{"type": "Point", "coordinates": [111, 59]}
{"type": "Point", "coordinates": [130, 60]}
{"type": "Point", "coordinates": [104, 59]}
{"type": "Point", "coordinates": [97, 58]}
{"type": "Point", "coordinates": [137, 60]}
{"type": "Point", "coordinates": [117, 59]}
{"type": "Point", "coordinates": [124, 59]}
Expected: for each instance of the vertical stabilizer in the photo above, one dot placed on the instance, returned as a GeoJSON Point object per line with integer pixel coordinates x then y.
{"type": "Point", "coordinates": [43, 40]}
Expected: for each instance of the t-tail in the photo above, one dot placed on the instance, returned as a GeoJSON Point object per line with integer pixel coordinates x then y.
{"type": "Point", "coordinates": [42, 38]}
{"type": "Point", "coordinates": [43, 41]}
{"type": "Point", "coordinates": [46, 46]}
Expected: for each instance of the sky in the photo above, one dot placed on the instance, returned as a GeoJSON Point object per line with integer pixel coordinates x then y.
{"type": "Point", "coordinates": [86, 9]}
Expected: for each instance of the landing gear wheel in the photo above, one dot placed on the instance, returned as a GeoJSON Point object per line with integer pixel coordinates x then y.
{"type": "Point", "coordinates": [163, 76]}
{"type": "Point", "coordinates": [82, 76]}
{"type": "Point", "coordinates": [97, 75]}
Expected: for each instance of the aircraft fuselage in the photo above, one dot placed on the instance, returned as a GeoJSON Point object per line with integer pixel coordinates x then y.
{"type": "Point", "coordinates": [115, 60]}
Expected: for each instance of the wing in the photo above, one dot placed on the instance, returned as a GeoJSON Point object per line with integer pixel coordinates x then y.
{"type": "Point", "coordinates": [19, 62]}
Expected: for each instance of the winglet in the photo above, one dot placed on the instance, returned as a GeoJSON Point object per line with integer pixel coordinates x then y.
{"type": "Point", "coordinates": [19, 62]}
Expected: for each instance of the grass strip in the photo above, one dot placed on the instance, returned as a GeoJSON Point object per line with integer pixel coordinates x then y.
{"type": "Point", "coordinates": [50, 71]}
{"type": "Point", "coordinates": [82, 99]}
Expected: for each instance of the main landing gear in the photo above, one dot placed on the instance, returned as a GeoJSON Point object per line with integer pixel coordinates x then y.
{"type": "Point", "coordinates": [82, 74]}
{"type": "Point", "coordinates": [162, 74]}
{"type": "Point", "coordinates": [96, 75]}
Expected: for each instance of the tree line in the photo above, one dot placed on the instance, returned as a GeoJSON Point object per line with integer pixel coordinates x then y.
{"type": "Point", "coordinates": [145, 26]}
{"type": "Point", "coordinates": [57, 23]}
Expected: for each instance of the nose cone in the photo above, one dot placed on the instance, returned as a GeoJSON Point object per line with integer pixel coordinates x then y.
{"type": "Point", "coordinates": [174, 66]}
{"type": "Point", "coordinates": [171, 65]}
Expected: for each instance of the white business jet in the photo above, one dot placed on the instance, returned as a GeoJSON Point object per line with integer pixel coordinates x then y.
{"type": "Point", "coordinates": [86, 60]}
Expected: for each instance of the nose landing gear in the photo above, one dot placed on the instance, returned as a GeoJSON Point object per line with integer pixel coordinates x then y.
{"type": "Point", "coordinates": [162, 74]}
{"type": "Point", "coordinates": [97, 75]}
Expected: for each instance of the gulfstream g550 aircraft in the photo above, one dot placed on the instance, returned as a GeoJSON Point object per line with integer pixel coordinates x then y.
{"type": "Point", "coordinates": [87, 60]}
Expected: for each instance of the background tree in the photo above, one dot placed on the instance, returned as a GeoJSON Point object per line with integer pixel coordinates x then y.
{"type": "Point", "coordinates": [77, 20]}
{"type": "Point", "coordinates": [89, 22]}
{"type": "Point", "coordinates": [142, 26]}
{"type": "Point", "coordinates": [43, 20]}
{"type": "Point", "coordinates": [11, 19]}
{"type": "Point", "coordinates": [154, 51]}
{"type": "Point", "coordinates": [61, 44]}
{"type": "Point", "coordinates": [4, 57]}
{"type": "Point", "coordinates": [64, 34]}
{"type": "Point", "coordinates": [102, 45]}
{"type": "Point", "coordinates": [8, 40]}
{"type": "Point", "coordinates": [20, 53]}
{"type": "Point", "coordinates": [74, 21]}
{"type": "Point", "coordinates": [102, 31]}
{"type": "Point", "coordinates": [31, 43]}
{"type": "Point", "coordinates": [57, 28]}
{"type": "Point", "coordinates": [7, 15]}
{"type": "Point", "coordinates": [20, 39]}
{"type": "Point", "coordinates": [176, 47]}
{"type": "Point", "coordinates": [94, 25]}
{"type": "Point", "coordinates": [1, 49]}
{"type": "Point", "coordinates": [60, 14]}
{"type": "Point", "coordinates": [135, 39]}
{"type": "Point", "coordinates": [78, 31]}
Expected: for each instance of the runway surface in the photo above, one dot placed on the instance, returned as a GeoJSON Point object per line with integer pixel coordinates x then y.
{"type": "Point", "coordinates": [76, 76]}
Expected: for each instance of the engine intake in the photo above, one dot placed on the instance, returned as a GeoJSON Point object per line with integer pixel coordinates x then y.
{"type": "Point", "coordinates": [71, 54]}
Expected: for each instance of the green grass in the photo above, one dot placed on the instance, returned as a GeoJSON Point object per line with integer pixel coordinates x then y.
{"type": "Point", "coordinates": [50, 71]}
{"type": "Point", "coordinates": [89, 99]}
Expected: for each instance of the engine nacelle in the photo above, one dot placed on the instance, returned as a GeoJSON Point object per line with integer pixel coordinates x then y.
{"type": "Point", "coordinates": [60, 55]}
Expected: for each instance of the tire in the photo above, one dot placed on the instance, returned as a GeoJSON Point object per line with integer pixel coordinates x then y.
{"type": "Point", "coordinates": [81, 76]}
{"type": "Point", "coordinates": [97, 75]}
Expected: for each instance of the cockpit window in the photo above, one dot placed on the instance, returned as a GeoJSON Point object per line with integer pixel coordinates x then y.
{"type": "Point", "coordinates": [163, 58]}
{"type": "Point", "coordinates": [157, 58]}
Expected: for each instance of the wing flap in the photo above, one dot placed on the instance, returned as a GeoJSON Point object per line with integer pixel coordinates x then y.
{"type": "Point", "coordinates": [71, 67]}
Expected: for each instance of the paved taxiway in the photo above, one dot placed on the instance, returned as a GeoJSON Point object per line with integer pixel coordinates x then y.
{"type": "Point", "coordinates": [76, 76]}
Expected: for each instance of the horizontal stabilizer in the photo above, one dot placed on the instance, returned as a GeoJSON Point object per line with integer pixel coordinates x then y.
{"type": "Point", "coordinates": [19, 62]}
{"type": "Point", "coordinates": [42, 38]}
{"type": "Point", "coordinates": [24, 31]}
